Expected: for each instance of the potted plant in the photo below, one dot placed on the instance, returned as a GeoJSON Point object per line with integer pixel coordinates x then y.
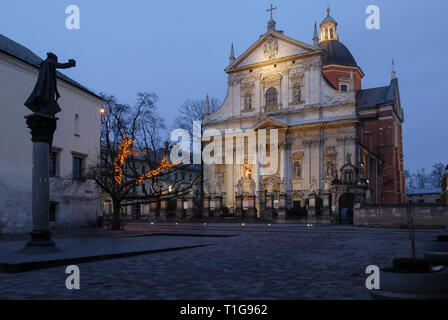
{"type": "Point", "coordinates": [412, 278]}
{"type": "Point", "coordinates": [437, 251]}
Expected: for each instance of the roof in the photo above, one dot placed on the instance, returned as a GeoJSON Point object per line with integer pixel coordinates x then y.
{"type": "Point", "coordinates": [260, 41]}
{"type": "Point", "coordinates": [424, 191]}
{"type": "Point", "coordinates": [328, 18]}
{"type": "Point", "coordinates": [376, 96]}
{"type": "Point", "coordinates": [24, 54]}
{"type": "Point", "coordinates": [336, 53]}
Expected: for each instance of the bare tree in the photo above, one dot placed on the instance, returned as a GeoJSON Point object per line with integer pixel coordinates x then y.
{"type": "Point", "coordinates": [420, 178]}
{"type": "Point", "coordinates": [437, 174]}
{"type": "Point", "coordinates": [133, 155]}
{"type": "Point", "coordinates": [193, 110]}
{"type": "Point", "coordinates": [409, 180]}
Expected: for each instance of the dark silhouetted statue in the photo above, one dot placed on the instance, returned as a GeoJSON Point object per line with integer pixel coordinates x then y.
{"type": "Point", "coordinates": [45, 95]}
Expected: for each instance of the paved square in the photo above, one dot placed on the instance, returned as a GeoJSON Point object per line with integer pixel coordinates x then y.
{"type": "Point", "coordinates": [258, 262]}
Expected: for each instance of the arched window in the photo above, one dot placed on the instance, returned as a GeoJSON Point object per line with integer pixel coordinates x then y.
{"type": "Point", "coordinates": [326, 34]}
{"type": "Point", "coordinates": [248, 101]}
{"type": "Point", "coordinates": [297, 170]}
{"type": "Point", "coordinates": [271, 97]}
{"type": "Point", "coordinates": [343, 88]}
{"type": "Point", "coordinates": [331, 33]}
{"type": "Point", "coordinates": [76, 125]}
{"type": "Point", "coordinates": [297, 93]}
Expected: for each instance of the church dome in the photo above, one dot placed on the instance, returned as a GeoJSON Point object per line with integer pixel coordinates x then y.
{"type": "Point", "coordinates": [336, 53]}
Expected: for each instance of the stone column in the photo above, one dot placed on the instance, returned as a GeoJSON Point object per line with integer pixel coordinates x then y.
{"type": "Point", "coordinates": [42, 129]}
{"type": "Point", "coordinates": [206, 207]}
{"type": "Point", "coordinates": [251, 210]}
{"type": "Point", "coordinates": [238, 206]}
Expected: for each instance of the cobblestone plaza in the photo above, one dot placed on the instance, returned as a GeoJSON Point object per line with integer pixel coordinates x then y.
{"type": "Point", "coordinates": [254, 262]}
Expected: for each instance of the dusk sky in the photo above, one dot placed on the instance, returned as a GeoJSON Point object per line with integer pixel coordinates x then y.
{"type": "Point", "coordinates": [178, 50]}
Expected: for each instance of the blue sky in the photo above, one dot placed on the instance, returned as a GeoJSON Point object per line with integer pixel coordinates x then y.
{"type": "Point", "coordinates": [178, 50]}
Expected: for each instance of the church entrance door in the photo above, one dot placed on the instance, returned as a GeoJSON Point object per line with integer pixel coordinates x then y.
{"type": "Point", "coordinates": [346, 208]}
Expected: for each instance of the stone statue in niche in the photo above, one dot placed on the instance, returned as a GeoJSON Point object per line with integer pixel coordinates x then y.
{"type": "Point", "coordinates": [239, 187]}
{"type": "Point", "coordinates": [270, 48]}
{"type": "Point", "coordinates": [313, 184]}
{"type": "Point", "coordinates": [247, 168]}
{"type": "Point", "coordinates": [330, 169]}
{"type": "Point", "coordinates": [252, 187]}
{"type": "Point", "coordinates": [270, 185]}
{"type": "Point", "coordinates": [206, 188]}
{"type": "Point", "coordinates": [349, 158]}
{"type": "Point", "coordinates": [283, 185]}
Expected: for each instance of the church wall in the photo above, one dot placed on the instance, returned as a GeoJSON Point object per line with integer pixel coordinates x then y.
{"type": "Point", "coordinates": [76, 207]}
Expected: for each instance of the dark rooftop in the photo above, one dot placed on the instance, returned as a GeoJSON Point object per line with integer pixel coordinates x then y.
{"type": "Point", "coordinates": [336, 53]}
{"type": "Point", "coordinates": [376, 96]}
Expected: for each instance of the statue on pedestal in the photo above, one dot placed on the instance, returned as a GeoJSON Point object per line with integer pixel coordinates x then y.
{"type": "Point", "coordinates": [45, 95]}
{"type": "Point", "coordinates": [252, 187]}
{"type": "Point", "coordinates": [239, 187]}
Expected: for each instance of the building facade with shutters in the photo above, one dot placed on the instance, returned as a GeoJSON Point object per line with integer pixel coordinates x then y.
{"type": "Point", "coordinates": [76, 146]}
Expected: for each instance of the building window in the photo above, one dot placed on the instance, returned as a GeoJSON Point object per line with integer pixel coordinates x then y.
{"type": "Point", "coordinates": [54, 163]}
{"type": "Point", "coordinates": [296, 169]}
{"type": "Point", "coordinates": [78, 167]}
{"type": "Point", "coordinates": [76, 125]}
{"type": "Point", "coordinates": [53, 211]}
{"type": "Point", "coordinates": [348, 176]}
{"type": "Point", "coordinates": [331, 33]}
{"type": "Point", "coordinates": [248, 101]}
{"type": "Point", "coordinates": [271, 97]}
{"type": "Point", "coordinates": [343, 88]}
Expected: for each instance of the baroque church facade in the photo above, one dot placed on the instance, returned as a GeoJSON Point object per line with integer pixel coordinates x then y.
{"type": "Point", "coordinates": [339, 145]}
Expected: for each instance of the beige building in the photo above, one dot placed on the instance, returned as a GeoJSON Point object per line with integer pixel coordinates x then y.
{"type": "Point", "coordinates": [76, 146]}
{"type": "Point", "coordinates": [309, 93]}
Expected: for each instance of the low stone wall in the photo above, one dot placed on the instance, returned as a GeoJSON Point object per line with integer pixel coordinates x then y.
{"type": "Point", "coordinates": [425, 217]}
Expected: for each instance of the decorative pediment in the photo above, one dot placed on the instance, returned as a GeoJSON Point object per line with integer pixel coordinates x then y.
{"type": "Point", "coordinates": [271, 47]}
{"type": "Point", "coordinates": [269, 124]}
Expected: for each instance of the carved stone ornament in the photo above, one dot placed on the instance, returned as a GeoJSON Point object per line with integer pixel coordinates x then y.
{"type": "Point", "coordinates": [271, 48]}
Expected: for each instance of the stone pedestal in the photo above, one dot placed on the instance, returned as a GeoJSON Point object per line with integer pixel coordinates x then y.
{"type": "Point", "coordinates": [238, 206]}
{"type": "Point", "coordinates": [312, 205]}
{"type": "Point", "coordinates": [218, 206]}
{"type": "Point", "coordinates": [251, 210]}
{"type": "Point", "coordinates": [162, 211]}
{"type": "Point", "coordinates": [190, 208]}
{"type": "Point", "coordinates": [179, 208]}
{"type": "Point", "coordinates": [153, 208]}
{"type": "Point", "coordinates": [282, 208]}
{"type": "Point", "coordinates": [206, 207]}
{"type": "Point", "coordinates": [326, 205]}
{"type": "Point", "coordinates": [269, 208]}
{"type": "Point", "coordinates": [42, 129]}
